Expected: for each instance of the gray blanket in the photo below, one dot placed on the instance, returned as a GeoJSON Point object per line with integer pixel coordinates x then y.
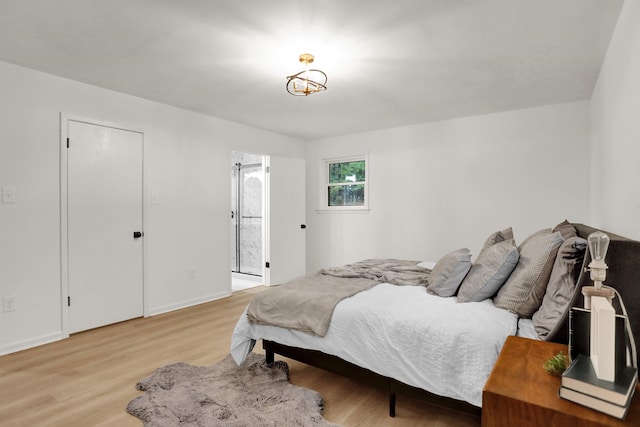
{"type": "Point", "coordinates": [307, 303]}
{"type": "Point", "coordinates": [394, 271]}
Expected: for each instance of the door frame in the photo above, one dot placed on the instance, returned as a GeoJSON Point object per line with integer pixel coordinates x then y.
{"type": "Point", "coordinates": [64, 241]}
{"type": "Point", "coordinates": [266, 215]}
{"type": "Point", "coordinates": [265, 211]}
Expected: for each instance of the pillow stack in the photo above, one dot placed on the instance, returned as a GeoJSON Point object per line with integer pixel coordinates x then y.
{"type": "Point", "coordinates": [536, 279]}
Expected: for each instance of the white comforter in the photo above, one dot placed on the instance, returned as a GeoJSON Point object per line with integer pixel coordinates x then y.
{"type": "Point", "coordinates": [403, 332]}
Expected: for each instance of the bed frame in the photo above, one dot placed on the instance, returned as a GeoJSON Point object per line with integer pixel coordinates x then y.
{"type": "Point", "coordinates": [623, 260]}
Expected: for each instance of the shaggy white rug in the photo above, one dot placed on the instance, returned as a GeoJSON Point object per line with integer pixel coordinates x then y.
{"type": "Point", "coordinates": [225, 394]}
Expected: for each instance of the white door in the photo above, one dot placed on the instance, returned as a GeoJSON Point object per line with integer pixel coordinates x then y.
{"type": "Point", "coordinates": [286, 219]}
{"type": "Point", "coordinates": [104, 209]}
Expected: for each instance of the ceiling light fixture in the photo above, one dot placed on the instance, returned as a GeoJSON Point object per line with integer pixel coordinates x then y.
{"type": "Point", "coordinates": [307, 81]}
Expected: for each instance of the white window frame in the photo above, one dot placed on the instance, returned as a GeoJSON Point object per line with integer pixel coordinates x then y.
{"type": "Point", "coordinates": [324, 181]}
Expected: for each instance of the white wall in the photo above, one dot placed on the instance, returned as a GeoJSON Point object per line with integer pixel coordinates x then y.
{"type": "Point", "coordinates": [436, 187]}
{"type": "Point", "coordinates": [615, 115]}
{"type": "Point", "coordinates": [187, 165]}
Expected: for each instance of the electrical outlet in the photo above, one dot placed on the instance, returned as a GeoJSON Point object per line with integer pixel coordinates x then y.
{"type": "Point", "coordinates": [8, 304]}
{"type": "Point", "coordinates": [192, 273]}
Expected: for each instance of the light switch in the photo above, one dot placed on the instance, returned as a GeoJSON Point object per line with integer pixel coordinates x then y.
{"type": "Point", "coordinates": [154, 198]}
{"type": "Point", "coordinates": [8, 195]}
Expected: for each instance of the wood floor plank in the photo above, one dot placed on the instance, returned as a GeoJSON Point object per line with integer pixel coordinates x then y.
{"type": "Point", "coordinates": [88, 379]}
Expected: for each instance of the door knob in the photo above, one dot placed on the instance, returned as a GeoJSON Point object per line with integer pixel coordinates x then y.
{"type": "Point", "coordinates": [138, 234]}
{"type": "Point", "coordinates": [303, 226]}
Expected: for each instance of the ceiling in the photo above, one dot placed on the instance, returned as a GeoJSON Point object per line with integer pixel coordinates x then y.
{"type": "Point", "coordinates": [389, 63]}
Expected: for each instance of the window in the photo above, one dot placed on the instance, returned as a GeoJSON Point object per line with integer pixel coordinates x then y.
{"type": "Point", "coordinates": [346, 184]}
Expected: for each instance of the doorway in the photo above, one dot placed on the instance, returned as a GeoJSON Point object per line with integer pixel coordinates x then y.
{"type": "Point", "coordinates": [102, 224]}
{"type": "Point", "coordinates": [247, 220]}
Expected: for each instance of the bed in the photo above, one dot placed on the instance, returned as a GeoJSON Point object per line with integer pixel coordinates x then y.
{"type": "Point", "coordinates": [440, 345]}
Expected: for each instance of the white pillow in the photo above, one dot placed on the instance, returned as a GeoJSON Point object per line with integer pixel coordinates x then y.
{"type": "Point", "coordinates": [427, 264]}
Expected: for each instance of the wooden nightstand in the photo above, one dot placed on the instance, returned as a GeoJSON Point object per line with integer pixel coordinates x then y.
{"type": "Point", "coordinates": [519, 392]}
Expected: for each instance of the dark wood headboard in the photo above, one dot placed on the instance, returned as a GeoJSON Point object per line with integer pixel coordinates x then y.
{"type": "Point", "coordinates": [623, 260]}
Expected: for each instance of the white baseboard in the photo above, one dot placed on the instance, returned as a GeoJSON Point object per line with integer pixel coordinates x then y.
{"type": "Point", "coordinates": [57, 336]}
{"type": "Point", "coordinates": [30, 343]}
{"type": "Point", "coordinates": [188, 303]}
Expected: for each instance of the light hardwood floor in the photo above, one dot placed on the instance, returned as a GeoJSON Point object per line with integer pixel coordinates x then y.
{"type": "Point", "coordinates": [88, 379]}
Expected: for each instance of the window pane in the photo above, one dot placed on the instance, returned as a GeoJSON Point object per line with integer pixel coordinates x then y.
{"type": "Point", "coordinates": [346, 172]}
{"type": "Point", "coordinates": [346, 195]}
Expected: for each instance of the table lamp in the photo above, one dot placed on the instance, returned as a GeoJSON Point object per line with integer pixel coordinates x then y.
{"type": "Point", "coordinates": [598, 300]}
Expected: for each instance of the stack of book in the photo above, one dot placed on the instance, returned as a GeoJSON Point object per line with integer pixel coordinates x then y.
{"type": "Point", "coordinates": [580, 384]}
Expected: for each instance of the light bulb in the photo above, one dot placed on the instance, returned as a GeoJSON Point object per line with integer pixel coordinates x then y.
{"type": "Point", "coordinates": [598, 245]}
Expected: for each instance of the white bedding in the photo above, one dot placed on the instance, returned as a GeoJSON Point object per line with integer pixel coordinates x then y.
{"type": "Point", "coordinates": [403, 332]}
{"type": "Point", "coordinates": [526, 329]}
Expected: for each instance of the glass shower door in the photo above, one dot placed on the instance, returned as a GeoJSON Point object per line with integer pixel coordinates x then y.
{"type": "Point", "coordinates": [247, 215]}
